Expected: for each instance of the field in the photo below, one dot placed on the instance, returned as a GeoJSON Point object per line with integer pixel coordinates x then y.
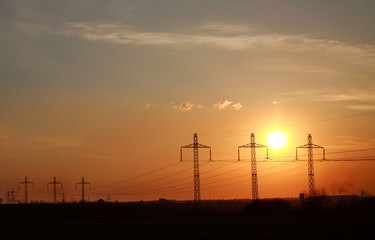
{"type": "Point", "coordinates": [328, 218]}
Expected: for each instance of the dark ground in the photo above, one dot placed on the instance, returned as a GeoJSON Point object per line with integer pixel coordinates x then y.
{"type": "Point", "coordinates": [322, 218]}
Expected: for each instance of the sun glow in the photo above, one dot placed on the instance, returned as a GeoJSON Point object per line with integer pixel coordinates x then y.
{"type": "Point", "coordinates": [276, 140]}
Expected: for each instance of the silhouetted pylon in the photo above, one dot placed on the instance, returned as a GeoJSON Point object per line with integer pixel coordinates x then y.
{"type": "Point", "coordinates": [197, 191]}
{"type": "Point", "coordinates": [83, 188]}
{"type": "Point", "coordinates": [310, 163]}
{"type": "Point", "coordinates": [11, 196]}
{"type": "Point", "coordinates": [26, 191]}
{"type": "Point", "coordinates": [254, 175]}
{"type": "Point", "coordinates": [54, 188]}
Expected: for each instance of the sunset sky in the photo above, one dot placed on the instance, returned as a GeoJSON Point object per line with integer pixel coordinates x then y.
{"type": "Point", "coordinates": [109, 90]}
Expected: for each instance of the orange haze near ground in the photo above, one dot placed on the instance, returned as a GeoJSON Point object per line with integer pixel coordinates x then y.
{"type": "Point", "coordinates": [110, 90]}
{"type": "Point", "coordinates": [110, 152]}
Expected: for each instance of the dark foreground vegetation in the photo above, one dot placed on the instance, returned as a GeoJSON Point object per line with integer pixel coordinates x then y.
{"type": "Point", "coordinates": [318, 218]}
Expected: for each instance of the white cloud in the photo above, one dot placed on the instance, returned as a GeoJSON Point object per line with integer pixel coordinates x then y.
{"type": "Point", "coordinates": [223, 104]}
{"type": "Point", "coordinates": [237, 106]}
{"type": "Point", "coordinates": [242, 37]}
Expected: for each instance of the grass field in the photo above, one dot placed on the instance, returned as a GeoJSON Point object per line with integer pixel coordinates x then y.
{"type": "Point", "coordinates": [350, 219]}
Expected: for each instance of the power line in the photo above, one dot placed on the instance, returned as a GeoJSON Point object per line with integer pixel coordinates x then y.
{"type": "Point", "coordinates": [205, 184]}
{"type": "Point", "coordinates": [212, 134]}
{"type": "Point", "coordinates": [150, 181]}
{"type": "Point", "coordinates": [160, 186]}
{"type": "Point", "coordinates": [138, 176]}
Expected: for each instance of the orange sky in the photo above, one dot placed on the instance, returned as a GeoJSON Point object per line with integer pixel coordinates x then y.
{"type": "Point", "coordinates": [111, 90]}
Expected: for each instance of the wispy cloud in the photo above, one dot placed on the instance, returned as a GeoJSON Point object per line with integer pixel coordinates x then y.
{"type": "Point", "coordinates": [353, 98]}
{"type": "Point", "coordinates": [241, 38]}
{"type": "Point", "coordinates": [363, 107]}
{"type": "Point", "coordinates": [185, 106]}
{"type": "Point", "coordinates": [353, 94]}
{"type": "Point", "coordinates": [225, 28]}
{"type": "Point", "coordinates": [223, 104]}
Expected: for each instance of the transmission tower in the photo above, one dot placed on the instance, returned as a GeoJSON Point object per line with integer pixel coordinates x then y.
{"type": "Point", "coordinates": [254, 175]}
{"type": "Point", "coordinates": [26, 191]}
{"type": "Point", "coordinates": [83, 188]}
{"type": "Point", "coordinates": [63, 197]}
{"type": "Point", "coordinates": [310, 163]}
{"type": "Point", "coordinates": [54, 188]}
{"type": "Point", "coordinates": [197, 191]}
{"type": "Point", "coordinates": [11, 196]}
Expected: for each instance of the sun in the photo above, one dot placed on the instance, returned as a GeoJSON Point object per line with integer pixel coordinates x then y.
{"type": "Point", "coordinates": [276, 140]}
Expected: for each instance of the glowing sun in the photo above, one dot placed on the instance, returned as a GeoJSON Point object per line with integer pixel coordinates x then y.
{"type": "Point", "coordinates": [276, 140]}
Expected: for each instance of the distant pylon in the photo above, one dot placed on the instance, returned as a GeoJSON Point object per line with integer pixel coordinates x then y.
{"type": "Point", "coordinates": [26, 191]}
{"type": "Point", "coordinates": [310, 163]}
{"type": "Point", "coordinates": [197, 191]}
{"type": "Point", "coordinates": [54, 188]}
{"type": "Point", "coordinates": [63, 197]}
{"type": "Point", "coordinates": [83, 188]}
{"type": "Point", "coordinates": [11, 196]}
{"type": "Point", "coordinates": [254, 175]}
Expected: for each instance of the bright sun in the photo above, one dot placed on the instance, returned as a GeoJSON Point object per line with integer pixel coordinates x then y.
{"type": "Point", "coordinates": [276, 140]}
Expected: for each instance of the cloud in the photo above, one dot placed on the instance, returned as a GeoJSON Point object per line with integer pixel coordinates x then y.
{"type": "Point", "coordinates": [354, 94]}
{"type": "Point", "coordinates": [275, 102]}
{"type": "Point", "coordinates": [223, 104]}
{"type": "Point", "coordinates": [237, 106]}
{"type": "Point", "coordinates": [224, 28]}
{"type": "Point", "coordinates": [363, 107]}
{"type": "Point", "coordinates": [353, 98]}
{"type": "Point", "coordinates": [199, 106]}
{"type": "Point", "coordinates": [185, 106]}
{"type": "Point", "coordinates": [240, 38]}
{"type": "Point", "coordinates": [147, 106]}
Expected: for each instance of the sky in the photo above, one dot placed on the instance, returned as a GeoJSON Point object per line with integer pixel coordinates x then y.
{"type": "Point", "coordinates": [110, 90]}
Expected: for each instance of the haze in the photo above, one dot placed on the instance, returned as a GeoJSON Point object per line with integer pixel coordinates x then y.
{"type": "Point", "coordinates": [109, 90]}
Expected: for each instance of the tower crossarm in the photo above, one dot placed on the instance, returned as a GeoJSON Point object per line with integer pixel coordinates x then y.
{"type": "Point", "coordinates": [256, 145]}
{"type": "Point", "coordinates": [310, 146]}
{"type": "Point", "coordinates": [193, 146]}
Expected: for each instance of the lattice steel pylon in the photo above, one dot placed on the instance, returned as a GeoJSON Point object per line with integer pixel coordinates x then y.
{"type": "Point", "coordinates": [26, 191]}
{"type": "Point", "coordinates": [310, 163]}
{"type": "Point", "coordinates": [11, 196]}
{"type": "Point", "coordinates": [197, 191]}
{"type": "Point", "coordinates": [83, 188]}
{"type": "Point", "coordinates": [254, 175]}
{"type": "Point", "coordinates": [54, 188]}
